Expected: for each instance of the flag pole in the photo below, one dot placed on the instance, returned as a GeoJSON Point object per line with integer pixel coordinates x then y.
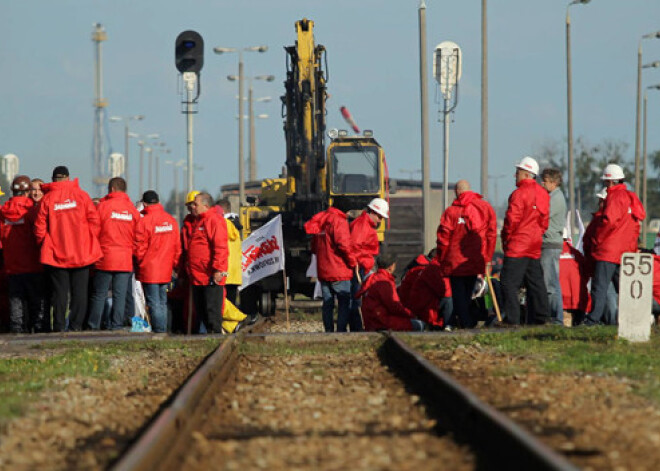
{"type": "Point", "coordinates": [286, 299]}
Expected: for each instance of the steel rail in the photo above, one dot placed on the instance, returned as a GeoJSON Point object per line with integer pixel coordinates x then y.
{"type": "Point", "coordinates": [495, 437]}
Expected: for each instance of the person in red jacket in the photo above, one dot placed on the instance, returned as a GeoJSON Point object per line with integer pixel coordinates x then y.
{"type": "Point", "coordinates": [411, 273]}
{"type": "Point", "coordinates": [466, 240]}
{"type": "Point", "coordinates": [526, 220]}
{"type": "Point", "coordinates": [616, 233]}
{"type": "Point", "coordinates": [336, 262]}
{"type": "Point", "coordinates": [208, 263]}
{"type": "Point", "coordinates": [119, 217]}
{"type": "Point", "coordinates": [67, 228]}
{"type": "Point", "coordinates": [22, 264]}
{"type": "Point", "coordinates": [381, 307]}
{"type": "Point", "coordinates": [157, 248]}
{"type": "Point", "coordinates": [430, 297]}
{"type": "Point", "coordinates": [366, 246]}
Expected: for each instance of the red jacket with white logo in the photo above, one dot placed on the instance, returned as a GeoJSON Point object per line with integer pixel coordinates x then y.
{"type": "Point", "coordinates": [21, 251]}
{"type": "Point", "coordinates": [331, 243]}
{"type": "Point", "coordinates": [573, 279]}
{"type": "Point", "coordinates": [157, 246]}
{"type": "Point", "coordinates": [209, 248]}
{"type": "Point", "coordinates": [67, 226]}
{"type": "Point", "coordinates": [365, 241]}
{"type": "Point", "coordinates": [527, 218]}
{"type": "Point", "coordinates": [381, 306]}
{"type": "Point", "coordinates": [119, 217]}
{"type": "Point", "coordinates": [618, 229]}
{"type": "Point", "coordinates": [429, 288]}
{"type": "Point", "coordinates": [466, 236]}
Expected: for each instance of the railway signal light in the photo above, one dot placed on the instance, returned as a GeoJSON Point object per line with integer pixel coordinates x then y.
{"type": "Point", "coordinates": [189, 52]}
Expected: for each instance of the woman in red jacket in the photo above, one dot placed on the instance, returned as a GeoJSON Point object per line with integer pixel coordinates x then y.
{"type": "Point", "coordinates": [381, 306]}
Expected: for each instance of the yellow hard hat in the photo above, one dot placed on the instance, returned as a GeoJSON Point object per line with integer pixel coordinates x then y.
{"type": "Point", "coordinates": [190, 197]}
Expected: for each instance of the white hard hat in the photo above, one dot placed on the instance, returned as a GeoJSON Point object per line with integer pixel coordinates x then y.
{"type": "Point", "coordinates": [529, 164]}
{"type": "Point", "coordinates": [380, 206]}
{"type": "Point", "coordinates": [613, 172]}
{"type": "Point", "coordinates": [603, 194]}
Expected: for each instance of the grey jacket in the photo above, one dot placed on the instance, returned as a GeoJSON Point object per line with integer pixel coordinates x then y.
{"type": "Point", "coordinates": [553, 237]}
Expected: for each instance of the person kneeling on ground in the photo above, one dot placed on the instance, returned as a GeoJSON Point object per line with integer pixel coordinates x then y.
{"type": "Point", "coordinates": [381, 307]}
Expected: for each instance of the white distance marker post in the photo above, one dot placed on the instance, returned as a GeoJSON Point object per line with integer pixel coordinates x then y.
{"type": "Point", "coordinates": [635, 292]}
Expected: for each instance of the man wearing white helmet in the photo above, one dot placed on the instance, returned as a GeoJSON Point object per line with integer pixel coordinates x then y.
{"type": "Point", "coordinates": [616, 233]}
{"type": "Point", "coordinates": [366, 247]}
{"type": "Point", "coordinates": [526, 220]}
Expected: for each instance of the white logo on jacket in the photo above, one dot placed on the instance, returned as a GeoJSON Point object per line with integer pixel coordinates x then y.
{"type": "Point", "coordinates": [125, 216]}
{"type": "Point", "coordinates": [14, 223]}
{"type": "Point", "coordinates": [163, 228]}
{"type": "Point", "coordinates": [68, 204]}
{"type": "Point", "coordinates": [461, 221]}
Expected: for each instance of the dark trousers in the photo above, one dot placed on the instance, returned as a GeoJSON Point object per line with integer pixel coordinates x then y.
{"type": "Point", "coordinates": [527, 271]}
{"type": "Point", "coordinates": [65, 282]}
{"type": "Point", "coordinates": [604, 274]}
{"type": "Point", "coordinates": [461, 293]}
{"type": "Point", "coordinates": [26, 303]}
{"type": "Point", "coordinates": [209, 303]}
{"type": "Point", "coordinates": [232, 293]}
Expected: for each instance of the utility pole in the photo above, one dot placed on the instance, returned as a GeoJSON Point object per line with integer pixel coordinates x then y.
{"type": "Point", "coordinates": [99, 172]}
{"type": "Point", "coordinates": [428, 237]}
{"type": "Point", "coordinates": [484, 98]}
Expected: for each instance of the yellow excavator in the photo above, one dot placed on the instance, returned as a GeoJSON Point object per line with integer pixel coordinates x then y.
{"type": "Point", "coordinates": [348, 175]}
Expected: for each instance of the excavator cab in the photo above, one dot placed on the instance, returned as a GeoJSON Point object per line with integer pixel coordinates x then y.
{"type": "Point", "coordinates": [355, 172]}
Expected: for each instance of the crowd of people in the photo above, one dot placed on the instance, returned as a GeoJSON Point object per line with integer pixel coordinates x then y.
{"type": "Point", "coordinates": [542, 275]}
{"type": "Point", "coordinates": [64, 252]}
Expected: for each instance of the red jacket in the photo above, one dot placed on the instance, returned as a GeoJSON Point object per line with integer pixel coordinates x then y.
{"type": "Point", "coordinates": [209, 248]}
{"type": "Point", "coordinates": [466, 236]}
{"type": "Point", "coordinates": [119, 217]}
{"type": "Point", "coordinates": [331, 243]}
{"type": "Point", "coordinates": [365, 241]}
{"type": "Point", "coordinates": [67, 226]}
{"type": "Point", "coordinates": [408, 280]}
{"type": "Point", "coordinates": [618, 230]}
{"type": "Point", "coordinates": [573, 279]}
{"type": "Point", "coordinates": [527, 218]}
{"type": "Point", "coordinates": [157, 246]}
{"type": "Point", "coordinates": [588, 241]}
{"type": "Point", "coordinates": [656, 278]}
{"type": "Point", "coordinates": [21, 250]}
{"type": "Point", "coordinates": [381, 306]}
{"type": "Point", "coordinates": [429, 288]}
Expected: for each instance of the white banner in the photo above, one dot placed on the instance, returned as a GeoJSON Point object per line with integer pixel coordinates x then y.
{"type": "Point", "coordinates": [263, 252]}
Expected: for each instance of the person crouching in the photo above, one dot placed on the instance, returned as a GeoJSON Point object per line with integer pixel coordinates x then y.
{"type": "Point", "coordinates": [381, 306]}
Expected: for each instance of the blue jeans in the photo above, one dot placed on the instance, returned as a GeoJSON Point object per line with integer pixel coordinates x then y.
{"type": "Point", "coordinates": [341, 289]}
{"type": "Point", "coordinates": [550, 266]}
{"type": "Point", "coordinates": [156, 296]}
{"type": "Point", "coordinates": [605, 273]}
{"type": "Point", "coordinates": [355, 320]}
{"type": "Point", "coordinates": [102, 281]}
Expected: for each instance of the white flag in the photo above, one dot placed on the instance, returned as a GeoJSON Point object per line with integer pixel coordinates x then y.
{"type": "Point", "coordinates": [263, 252]}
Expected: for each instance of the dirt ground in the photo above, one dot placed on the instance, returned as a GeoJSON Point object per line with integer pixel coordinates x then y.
{"type": "Point", "coordinates": [597, 422]}
{"type": "Point", "coordinates": [87, 421]}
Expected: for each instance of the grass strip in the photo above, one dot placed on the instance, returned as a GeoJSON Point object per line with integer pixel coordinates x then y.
{"type": "Point", "coordinates": [23, 379]}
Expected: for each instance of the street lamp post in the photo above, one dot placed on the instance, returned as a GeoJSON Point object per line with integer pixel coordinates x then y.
{"type": "Point", "coordinates": [241, 171]}
{"type": "Point", "coordinates": [127, 134]}
{"type": "Point", "coordinates": [569, 114]}
{"type": "Point", "coordinates": [639, 98]}
{"type": "Point", "coordinates": [429, 235]}
{"type": "Point", "coordinates": [644, 179]}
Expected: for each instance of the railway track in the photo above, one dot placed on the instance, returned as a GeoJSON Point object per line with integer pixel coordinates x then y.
{"type": "Point", "coordinates": [309, 401]}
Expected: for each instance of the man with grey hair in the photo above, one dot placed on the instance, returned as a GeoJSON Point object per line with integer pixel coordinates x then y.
{"type": "Point", "coordinates": [208, 258]}
{"type": "Point", "coordinates": [553, 243]}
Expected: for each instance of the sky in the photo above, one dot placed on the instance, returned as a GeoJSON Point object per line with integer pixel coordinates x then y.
{"type": "Point", "coordinates": [47, 92]}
